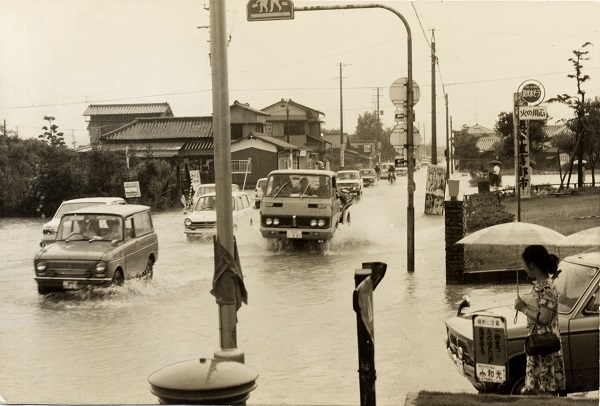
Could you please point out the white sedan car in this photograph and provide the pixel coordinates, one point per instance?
(201, 222)
(351, 181)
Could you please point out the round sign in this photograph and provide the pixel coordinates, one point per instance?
(532, 92)
(398, 92)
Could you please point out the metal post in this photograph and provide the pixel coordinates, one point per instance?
(342, 163)
(287, 120)
(410, 209)
(366, 352)
(447, 143)
(222, 142)
(516, 136)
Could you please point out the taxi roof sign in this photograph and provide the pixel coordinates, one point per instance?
(266, 10)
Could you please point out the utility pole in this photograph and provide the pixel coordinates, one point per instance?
(433, 112)
(451, 150)
(378, 120)
(341, 118)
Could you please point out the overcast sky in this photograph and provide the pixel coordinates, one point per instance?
(59, 56)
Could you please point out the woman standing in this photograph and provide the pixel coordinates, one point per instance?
(544, 373)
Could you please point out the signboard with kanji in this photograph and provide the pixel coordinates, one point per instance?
(533, 113)
(132, 189)
(265, 10)
(489, 341)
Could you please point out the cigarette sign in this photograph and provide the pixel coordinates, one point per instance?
(489, 340)
(533, 113)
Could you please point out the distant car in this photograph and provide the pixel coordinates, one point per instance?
(49, 229)
(578, 285)
(351, 181)
(368, 176)
(259, 190)
(201, 222)
(209, 188)
(99, 246)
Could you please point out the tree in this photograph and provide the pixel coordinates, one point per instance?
(465, 144)
(51, 135)
(590, 134)
(369, 128)
(504, 126)
(577, 103)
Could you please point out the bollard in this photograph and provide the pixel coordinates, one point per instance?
(365, 281)
(203, 382)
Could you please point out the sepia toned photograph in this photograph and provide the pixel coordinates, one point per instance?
(277, 202)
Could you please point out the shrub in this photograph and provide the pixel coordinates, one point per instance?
(485, 210)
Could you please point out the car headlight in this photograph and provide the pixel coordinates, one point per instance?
(275, 222)
(313, 223)
(187, 222)
(321, 223)
(40, 266)
(268, 221)
(100, 266)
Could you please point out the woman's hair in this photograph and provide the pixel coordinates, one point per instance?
(540, 257)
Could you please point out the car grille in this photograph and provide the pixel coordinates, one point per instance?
(204, 225)
(71, 268)
(299, 222)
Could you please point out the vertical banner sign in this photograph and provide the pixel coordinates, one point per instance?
(489, 340)
(524, 165)
(435, 190)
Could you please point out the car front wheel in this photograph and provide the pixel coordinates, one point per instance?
(149, 271)
(118, 278)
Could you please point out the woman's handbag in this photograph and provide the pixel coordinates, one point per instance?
(541, 344)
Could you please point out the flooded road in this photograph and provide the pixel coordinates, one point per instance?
(298, 330)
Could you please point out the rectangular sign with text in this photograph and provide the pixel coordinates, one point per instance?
(533, 113)
(489, 341)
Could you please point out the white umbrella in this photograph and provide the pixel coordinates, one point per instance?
(584, 238)
(516, 233)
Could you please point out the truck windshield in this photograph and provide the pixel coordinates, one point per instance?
(298, 186)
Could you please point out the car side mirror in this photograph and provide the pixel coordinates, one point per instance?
(466, 302)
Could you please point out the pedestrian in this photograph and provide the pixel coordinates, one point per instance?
(544, 374)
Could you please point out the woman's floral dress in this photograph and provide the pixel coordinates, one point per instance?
(545, 373)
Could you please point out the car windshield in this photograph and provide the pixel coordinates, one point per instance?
(207, 203)
(298, 186)
(571, 282)
(90, 227)
(367, 172)
(347, 175)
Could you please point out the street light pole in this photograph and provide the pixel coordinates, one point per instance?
(410, 209)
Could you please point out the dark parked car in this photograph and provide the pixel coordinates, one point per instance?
(577, 285)
(99, 245)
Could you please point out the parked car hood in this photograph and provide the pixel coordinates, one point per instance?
(463, 324)
(75, 250)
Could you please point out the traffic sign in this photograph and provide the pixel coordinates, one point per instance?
(267, 10)
(398, 93)
(532, 92)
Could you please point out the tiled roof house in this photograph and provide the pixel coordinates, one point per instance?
(488, 138)
(104, 118)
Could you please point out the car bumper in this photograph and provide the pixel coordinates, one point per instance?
(62, 281)
(297, 233)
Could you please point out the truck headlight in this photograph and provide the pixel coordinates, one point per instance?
(100, 266)
(268, 221)
(275, 222)
(40, 266)
(321, 223)
(187, 222)
(313, 223)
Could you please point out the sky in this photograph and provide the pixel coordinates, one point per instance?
(59, 56)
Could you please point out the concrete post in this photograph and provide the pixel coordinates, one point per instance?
(455, 230)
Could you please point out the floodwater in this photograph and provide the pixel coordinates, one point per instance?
(298, 330)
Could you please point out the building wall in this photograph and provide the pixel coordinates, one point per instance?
(263, 162)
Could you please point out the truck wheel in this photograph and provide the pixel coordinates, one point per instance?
(43, 289)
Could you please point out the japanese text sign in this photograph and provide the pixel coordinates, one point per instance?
(490, 352)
